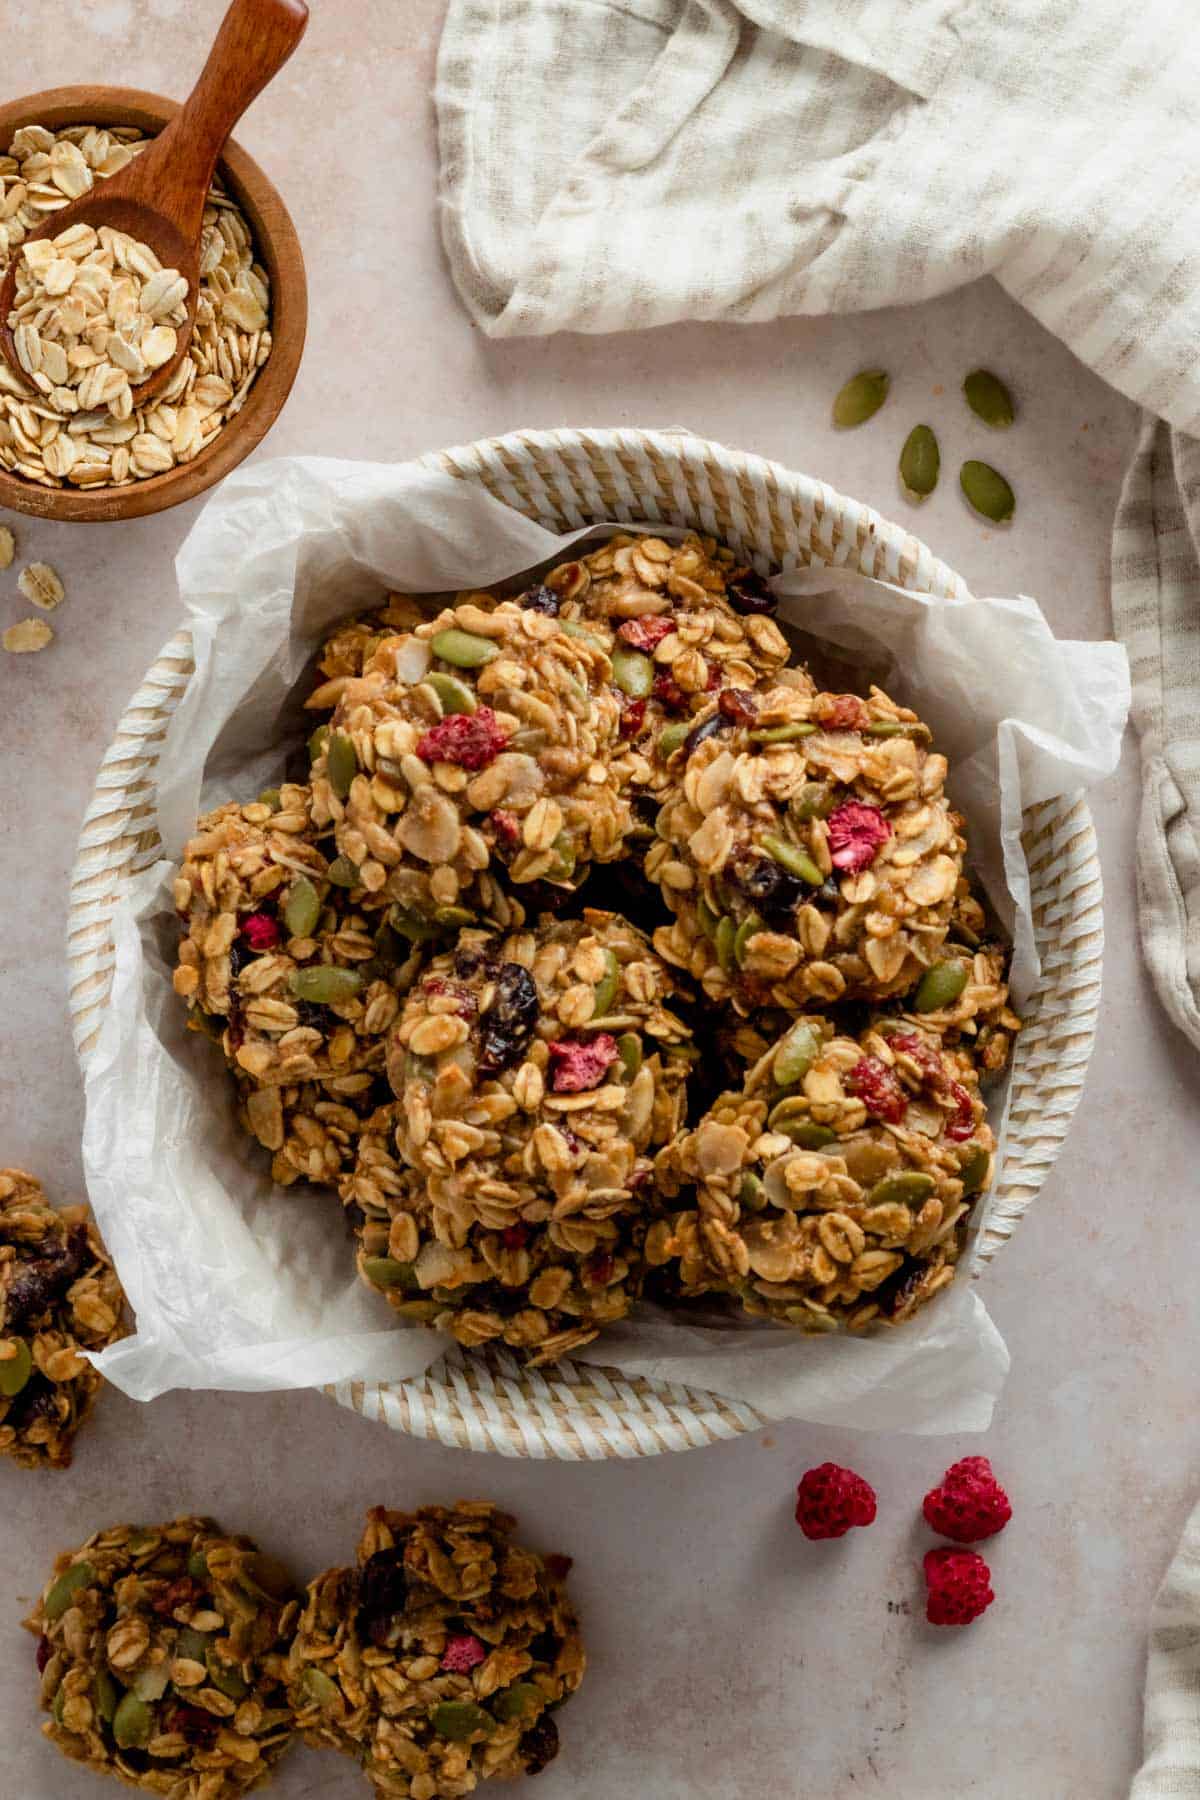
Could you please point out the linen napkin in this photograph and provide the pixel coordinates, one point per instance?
(609, 164)
(1171, 1770)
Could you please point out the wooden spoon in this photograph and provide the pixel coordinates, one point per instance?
(159, 197)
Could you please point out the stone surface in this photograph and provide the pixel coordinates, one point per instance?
(731, 1660)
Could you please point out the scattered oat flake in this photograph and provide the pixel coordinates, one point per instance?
(40, 584)
(29, 635)
(8, 547)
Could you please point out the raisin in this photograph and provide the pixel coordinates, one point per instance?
(738, 705)
(507, 1027)
(668, 693)
(546, 896)
(36, 1400)
(775, 892)
(747, 592)
(699, 733)
(540, 599)
(558, 1567)
(382, 1596)
(469, 959)
(45, 1651)
(545, 1647)
(38, 1287)
(196, 1727)
(539, 1746)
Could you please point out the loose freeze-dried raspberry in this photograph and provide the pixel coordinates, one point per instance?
(962, 1125)
(462, 1654)
(576, 1065)
(843, 712)
(969, 1503)
(856, 831)
(960, 1586)
(644, 634)
(668, 692)
(632, 719)
(878, 1089)
(829, 1500)
(261, 931)
(472, 740)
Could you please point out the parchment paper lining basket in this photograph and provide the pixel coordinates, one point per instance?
(566, 479)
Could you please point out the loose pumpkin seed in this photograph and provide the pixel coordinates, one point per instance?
(133, 1724)
(455, 695)
(459, 1720)
(723, 942)
(302, 908)
(861, 398)
(341, 764)
(15, 1370)
(343, 873)
(920, 463)
(908, 1188)
(783, 734)
(386, 1272)
(606, 987)
(671, 737)
(69, 1583)
(793, 858)
(986, 490)
(795, 1055)
(745, 932)
(940, 986)
(465, 649)
(988, 399)
(324, 985)
(632, 671)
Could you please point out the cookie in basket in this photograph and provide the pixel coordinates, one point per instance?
(441, 1658)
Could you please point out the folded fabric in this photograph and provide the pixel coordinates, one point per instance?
(609, 164)
(1171, 1770)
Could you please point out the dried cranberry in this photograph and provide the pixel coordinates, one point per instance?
(962, 1125)
(260, 931)
(598, 1270)
(38, 1286)
(668, 693)
(845, 712)
(775, 892)
(507, 1027)
(540, 599)
(472, 740)
(577, 1064)
(633, 718)
(647, 633)
(708, 728)
(738, 705)
(922, 1052)
(539, 1745)
(515, 1237)
(195, 1726)
(748, 592)
(878, 1089)
(857, 832)
(45, 1651)
(382, 1595)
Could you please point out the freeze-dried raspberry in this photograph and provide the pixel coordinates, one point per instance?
(507, 828)
(960, 1586)
(962, 1125)
(462, 1654)
(472, 740)
(969, 1502)
(261, 931)
(922, 1052)
(576, 1065)
(829, 1500)
(842, 712)
(878, 1089)
(632, 719)
(644, 634)
(856, 831)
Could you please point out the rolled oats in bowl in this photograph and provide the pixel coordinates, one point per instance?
(69, 419)
(440, 1660)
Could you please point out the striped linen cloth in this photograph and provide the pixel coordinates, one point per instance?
(1171, 1770)
(609, 164)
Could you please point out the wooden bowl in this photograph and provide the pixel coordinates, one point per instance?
(278, 249)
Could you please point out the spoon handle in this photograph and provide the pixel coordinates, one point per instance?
(255, 40)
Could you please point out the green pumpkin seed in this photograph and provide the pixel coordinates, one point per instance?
(908, 1188)
(792, 857)
(106, 1695)
(317, 742)
(465, 649)
(920, 463)
(386, 1272)
(632, 671)
(783, 734)
(861, 398)
(343, 873)
(453, 917)
(988, 399)
(796, 1054)
(750, 1192)
(198, 1566)
(573, 629)
(459, 1720)
(324, 985)
(606, 987)
(974, 1171)
(302, 908)
(57, 1705)
(133, 1724)
(707, 919)
(793, 1108)
(629, 1049)
(226, 1680)
(413, 926)
(319, 1687)
(516, 1701)
(15, 1370)
(745, 932)
(671, 737)
(455, 696)
(150, 1684)
(269, 797)
(940, 986)
(812, 1137)
(341, 764)
(563, 866)
(726, 933)
(191, 1646)
(420, 1312)
(885, 728)
(987, 491)
(69, 1583)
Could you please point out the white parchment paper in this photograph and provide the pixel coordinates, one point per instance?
(239, 1285)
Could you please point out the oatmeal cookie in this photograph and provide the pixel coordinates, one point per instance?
(836, 1187)
(808, 851)
(59, 1296)
(471, 756)
(437, 1661)
(162, 1655)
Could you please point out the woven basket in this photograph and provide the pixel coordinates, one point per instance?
(566, 479)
